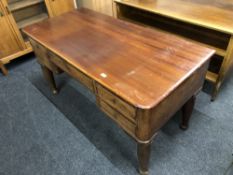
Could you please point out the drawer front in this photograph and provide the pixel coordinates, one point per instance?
(42, 56)
(121, 120)
(117, 103)
(85, 80)
(78, 75)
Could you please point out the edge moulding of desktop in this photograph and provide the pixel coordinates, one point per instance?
(17, 14)
(203, 22)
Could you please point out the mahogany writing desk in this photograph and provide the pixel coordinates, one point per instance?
(140, 77)
(206, 22)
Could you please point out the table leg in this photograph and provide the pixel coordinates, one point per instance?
(4, 70)
(143, 151)
(215, 91)
(187, 110)
(48, 74)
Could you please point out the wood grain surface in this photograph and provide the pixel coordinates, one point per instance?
(213, 14)
(141, 65)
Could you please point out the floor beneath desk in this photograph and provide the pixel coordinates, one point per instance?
(67, 134)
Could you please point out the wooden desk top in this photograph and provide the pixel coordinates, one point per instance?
(212, 14)
(140, 65)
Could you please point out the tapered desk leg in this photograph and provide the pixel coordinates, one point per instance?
(4, 70)
(48, 74)
(187, 110)
(143, 152)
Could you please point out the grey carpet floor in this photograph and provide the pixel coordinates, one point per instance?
(67, 134)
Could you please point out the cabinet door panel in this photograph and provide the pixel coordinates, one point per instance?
(58, 7)
(9, 43)
(104, 6)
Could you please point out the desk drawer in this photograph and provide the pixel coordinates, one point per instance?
(121, 120)
(117, 103)
(72, 71)
(42, 56)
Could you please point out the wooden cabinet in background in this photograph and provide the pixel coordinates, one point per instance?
(102, 6)
(17, 14)
(57, 7)
(10, 42)
(203, 22)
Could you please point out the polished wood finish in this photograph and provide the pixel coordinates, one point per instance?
(205, 22)
(183, 55)
(17, 14)
(143, 151)
(140, 78)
